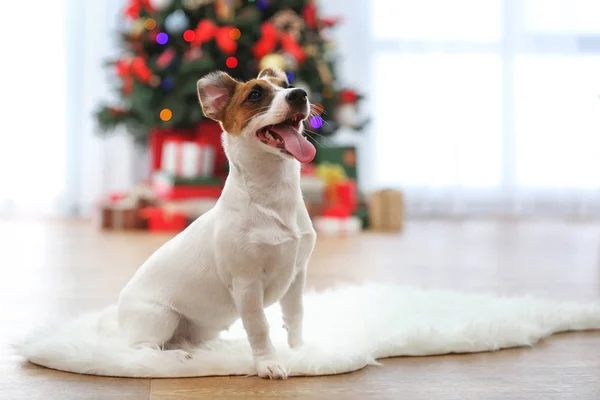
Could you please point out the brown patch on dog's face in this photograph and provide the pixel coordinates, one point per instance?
(249, 99)
(234, 104)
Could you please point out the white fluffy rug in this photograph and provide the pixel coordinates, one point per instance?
(345, 330)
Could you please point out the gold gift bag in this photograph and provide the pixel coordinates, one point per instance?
(386, 210)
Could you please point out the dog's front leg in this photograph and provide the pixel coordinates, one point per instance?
(249, 303)
(292, 310)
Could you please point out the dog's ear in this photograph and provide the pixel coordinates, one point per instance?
(214, 92)
(274, 73)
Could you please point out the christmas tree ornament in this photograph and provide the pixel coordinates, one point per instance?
(262, 4)
(291, 64)
(140, 69)
(225, 9)
(189, 35)
(162, 38)
(177, 22)
(134, 7)
(165, 58)
(288, 21)
(149, 23)
(273, 60)
(310, 15)
(193, 54)
(231, 62)
(346, 115)
(311, 50)
(160, 5)
(154, 81)
(137, 28)
(207, 30)
(324, 72)
(195, 4)
(235, 33)
(316, 122)
(165, 114)
(167, 83)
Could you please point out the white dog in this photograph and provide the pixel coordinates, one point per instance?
(251, 250)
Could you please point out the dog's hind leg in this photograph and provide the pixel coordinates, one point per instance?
(149, 325)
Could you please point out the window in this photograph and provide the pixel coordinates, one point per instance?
(494, 101)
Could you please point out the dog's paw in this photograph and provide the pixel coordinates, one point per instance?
(295, 343)
(182, 355)
(270, 369)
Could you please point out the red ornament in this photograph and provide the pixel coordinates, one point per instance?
(135, 6)
(231, 62)
(165, 58)
(140, 69)
(189, 35)
(270, 36)
(123, 66)
(207, 30)
(348, 96)
(310, 15)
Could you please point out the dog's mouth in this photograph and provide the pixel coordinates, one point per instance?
(286, 137)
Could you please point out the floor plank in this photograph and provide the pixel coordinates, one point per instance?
(57, 269)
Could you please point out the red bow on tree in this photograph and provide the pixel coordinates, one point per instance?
(206, 30)
(270, 37)
(312, 21)
(128, 69)
(135, 6)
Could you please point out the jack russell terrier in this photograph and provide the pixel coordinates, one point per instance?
(248, 252)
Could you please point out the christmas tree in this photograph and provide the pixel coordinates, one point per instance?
(167, 45)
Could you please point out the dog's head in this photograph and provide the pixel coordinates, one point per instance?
(266, 110)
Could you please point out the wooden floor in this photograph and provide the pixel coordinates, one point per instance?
(55, 269)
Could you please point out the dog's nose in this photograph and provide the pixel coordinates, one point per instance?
(297, 97)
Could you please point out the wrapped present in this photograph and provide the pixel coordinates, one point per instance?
(168, 186)
(186, 158)
(162, 220)
(176, 215)
(386, 210)
(344, 156)
(333, 226)
(120, 213)
(206, 133)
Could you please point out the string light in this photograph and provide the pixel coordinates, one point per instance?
(262, 4)
(189, 35)
(162, 38)
(149, 23)
(165, 114)
(290, 76)
(235, 33)
(231, 62)
(316, 122)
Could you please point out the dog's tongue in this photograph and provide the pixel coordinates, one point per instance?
(296, 144)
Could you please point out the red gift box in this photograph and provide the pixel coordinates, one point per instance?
(161, 220)
(206, 133)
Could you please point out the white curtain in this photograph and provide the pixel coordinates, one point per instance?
(487, 106)
(52, 162)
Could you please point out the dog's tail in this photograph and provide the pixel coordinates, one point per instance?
(93, 344)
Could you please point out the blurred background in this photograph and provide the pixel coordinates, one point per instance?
(429, 108)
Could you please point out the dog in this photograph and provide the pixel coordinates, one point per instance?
(248, 252)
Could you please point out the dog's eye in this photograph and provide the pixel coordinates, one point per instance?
(254, 95)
